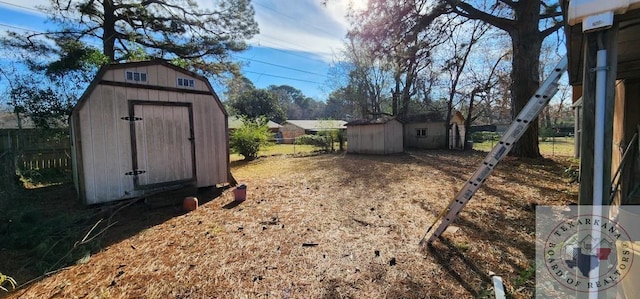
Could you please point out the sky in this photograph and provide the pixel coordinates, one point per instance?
(297, 43)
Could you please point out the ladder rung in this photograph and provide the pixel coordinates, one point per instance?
(528, 114)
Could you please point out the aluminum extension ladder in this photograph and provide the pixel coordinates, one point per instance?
(528, 114)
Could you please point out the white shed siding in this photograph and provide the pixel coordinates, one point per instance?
(393, 137)
(104, 139)
(107, 156)
(371, 139)
(382, 138)
(210, 140)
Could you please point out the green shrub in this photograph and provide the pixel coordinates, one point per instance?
(545, 133)
(315, 140)
(479, 137)
(49, 239)
(248, 139)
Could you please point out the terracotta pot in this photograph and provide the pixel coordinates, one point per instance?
(190, 203)
(240, 193)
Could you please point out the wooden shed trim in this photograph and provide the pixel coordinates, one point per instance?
(154, 87)
(116, 66)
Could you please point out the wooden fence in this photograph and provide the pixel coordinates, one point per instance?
(35, 149)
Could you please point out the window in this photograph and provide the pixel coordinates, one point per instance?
(421, 132)
(186, 82)
(136, 76)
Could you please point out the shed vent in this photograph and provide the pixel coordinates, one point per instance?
(183, 82)
(136, 76)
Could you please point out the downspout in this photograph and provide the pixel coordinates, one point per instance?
(598, 150)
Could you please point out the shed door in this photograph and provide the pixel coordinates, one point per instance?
(162, 143)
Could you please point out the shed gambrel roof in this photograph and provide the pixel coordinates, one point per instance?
(125, 65)
(318, 125)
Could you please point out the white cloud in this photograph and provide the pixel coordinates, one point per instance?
(300, 25)
(306, 26)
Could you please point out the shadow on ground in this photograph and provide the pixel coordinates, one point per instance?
(42, 229)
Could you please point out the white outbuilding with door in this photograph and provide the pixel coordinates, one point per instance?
(145, 127)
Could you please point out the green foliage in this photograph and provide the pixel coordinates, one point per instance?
(44, 84)
(46, 107)
(546, 132)
(315, 140)
(525, 275)
(168, 29)
(255, 103)
(49, 239)
(479, 137)
(250, 137)
(295, 104)
(46, 176)
(75, 56)
(4, 279)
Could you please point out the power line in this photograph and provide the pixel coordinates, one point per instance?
(20, 6)
(19, 28)
(283, 77)
(282, 66)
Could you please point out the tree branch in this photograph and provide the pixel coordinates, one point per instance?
(466, 10)
(551, 29)
(510, 3)
(551, 15)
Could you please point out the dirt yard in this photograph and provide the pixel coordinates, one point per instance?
(328, 226)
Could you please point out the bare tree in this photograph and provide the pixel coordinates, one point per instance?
(386, 31)
(460, 46)
(528, 23)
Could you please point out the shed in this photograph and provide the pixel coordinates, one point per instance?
(376, 136)
(428, 131)
(145, 127)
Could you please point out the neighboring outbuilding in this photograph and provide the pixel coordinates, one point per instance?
(146, 127)
(428, 131)
(381, 136)
(236, 122)
(10, 120)
(295, 128)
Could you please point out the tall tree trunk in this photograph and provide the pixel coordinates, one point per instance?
(468, 120)
(109, 31)
(526, 38)
(447, 122)
(525, 74)
(395, 93)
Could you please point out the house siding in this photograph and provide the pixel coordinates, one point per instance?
(290, 132)
(434, 138)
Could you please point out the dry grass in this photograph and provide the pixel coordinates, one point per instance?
(327, 226)
(280, 149)
(551, 147)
